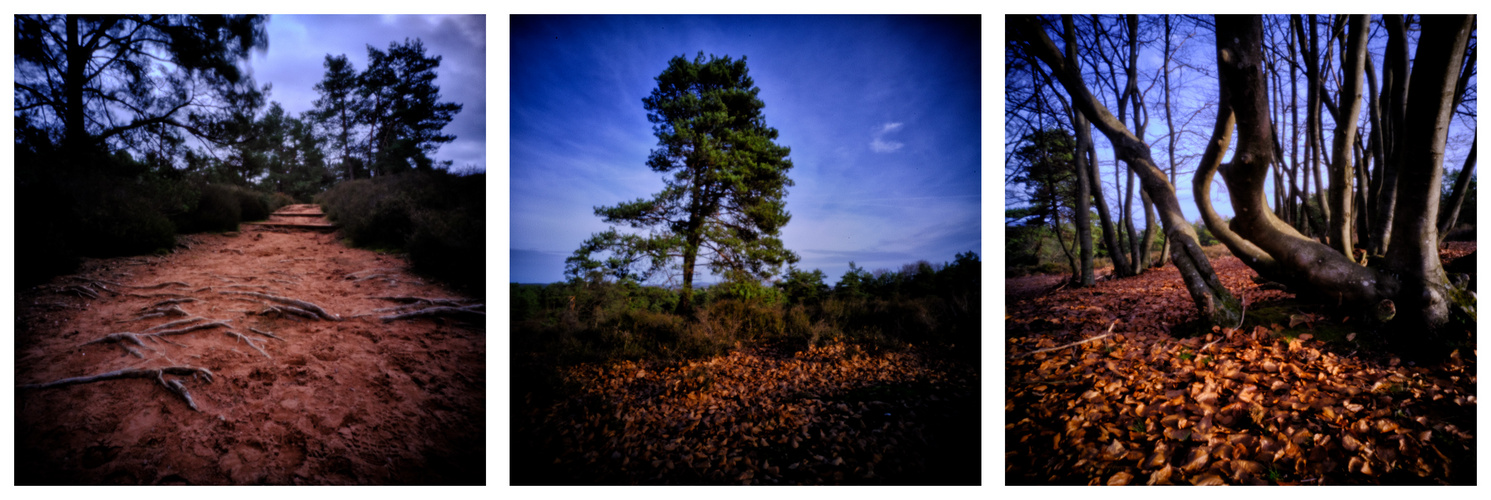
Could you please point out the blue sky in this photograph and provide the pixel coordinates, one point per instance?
(298, 45)
(882, 114)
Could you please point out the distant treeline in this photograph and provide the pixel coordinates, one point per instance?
(921, 304)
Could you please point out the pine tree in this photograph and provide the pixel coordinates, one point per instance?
(724, 201)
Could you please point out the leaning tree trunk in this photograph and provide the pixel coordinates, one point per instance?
(1457, 197)
(1414, 255)
(1216, 305)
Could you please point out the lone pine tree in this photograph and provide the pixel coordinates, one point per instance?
(724, 200)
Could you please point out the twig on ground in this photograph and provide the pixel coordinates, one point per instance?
(288, 301)
(248, 341)
(159, 374)
(1079, 342)
(437, 310)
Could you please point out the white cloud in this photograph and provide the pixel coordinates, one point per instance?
(880, 145)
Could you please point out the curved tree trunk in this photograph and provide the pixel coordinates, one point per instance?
(1310, 267)
(1215, 304)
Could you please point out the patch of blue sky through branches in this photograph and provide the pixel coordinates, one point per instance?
(882, 115)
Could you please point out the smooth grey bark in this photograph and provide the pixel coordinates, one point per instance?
(1414, 255)
(1307, 266)
(1395, 81)
(1083, 133)
(1169, 130)
(1215, 304)
(1343, 174)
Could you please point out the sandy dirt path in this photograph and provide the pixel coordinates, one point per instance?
(356, 401)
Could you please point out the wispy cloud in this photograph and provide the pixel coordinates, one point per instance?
(880, 145)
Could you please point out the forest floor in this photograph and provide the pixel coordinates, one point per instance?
(830, 414)
(1293, 396)
(272, 402)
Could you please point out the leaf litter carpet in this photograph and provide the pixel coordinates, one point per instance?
(1244, 406)
(281, 394)
(832, 414)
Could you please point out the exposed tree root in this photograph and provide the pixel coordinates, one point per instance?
(123, 339)
(158, 313)
(79, 290)
(282, 310)
(248, 341)
(168, 302)
(167, 295)
(435, 311)
(149, 287)
(290, 302)
(158, 374)
(266, 334)
(190, 320)
(357, 277)
(423, 300)
(126, 338)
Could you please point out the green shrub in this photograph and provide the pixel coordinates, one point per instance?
(438, 218)
(252, 205)
(217, 209)
(279, 200)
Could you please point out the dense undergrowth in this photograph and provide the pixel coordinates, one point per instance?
(74, 206)
(437, 218)
(582, 321)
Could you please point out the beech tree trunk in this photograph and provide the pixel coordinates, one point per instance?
(1414, 255)
(1308, 266)
(1343, 173)
(1395, 81)
(1083, 131)
(1214, 303)
(1457, 197)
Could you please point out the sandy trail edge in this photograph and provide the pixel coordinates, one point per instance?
(353, 402)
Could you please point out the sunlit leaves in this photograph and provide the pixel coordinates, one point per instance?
(1246, 406)
(830, 414)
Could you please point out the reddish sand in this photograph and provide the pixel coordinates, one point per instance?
(357, 401)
